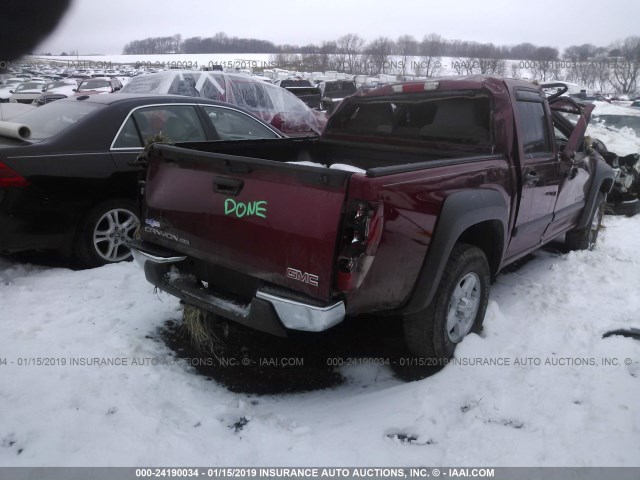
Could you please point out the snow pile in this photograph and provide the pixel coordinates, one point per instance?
(622, 142)
(606, 108)
(569, 410)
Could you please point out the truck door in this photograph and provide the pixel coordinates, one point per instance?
(538, 171)
(570, 123)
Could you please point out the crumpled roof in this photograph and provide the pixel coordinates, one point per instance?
(273, 104)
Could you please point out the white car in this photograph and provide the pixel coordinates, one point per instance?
(98, 85)
(56, 90)
(26, 92)
(7, 86)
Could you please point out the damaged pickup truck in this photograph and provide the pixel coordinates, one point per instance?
(412, 199)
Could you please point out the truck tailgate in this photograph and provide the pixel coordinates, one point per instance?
(274, 221)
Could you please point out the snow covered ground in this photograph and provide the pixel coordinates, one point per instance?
(554, 309)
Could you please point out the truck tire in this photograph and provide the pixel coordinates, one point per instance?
(585, 238)
(456, 310)
(104, 231)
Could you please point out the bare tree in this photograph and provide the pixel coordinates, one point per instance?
(581, 53)
(492, 66)
(466, 65)
(523, 51)
(325, 53)
(311, 62)
(545, 65)
(545, 70)
(287, 61)
(516, 71)
(602, 72)
(626, 66)
(350, 47)
(377, 53)
(406, 47)
(429, 50)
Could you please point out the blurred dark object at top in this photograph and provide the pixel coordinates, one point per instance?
(21, 31)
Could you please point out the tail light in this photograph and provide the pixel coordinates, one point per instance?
(11, 178)
(361, 232)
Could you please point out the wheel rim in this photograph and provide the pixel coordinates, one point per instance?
(112, 231)
(463, 307)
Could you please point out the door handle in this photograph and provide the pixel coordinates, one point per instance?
(227, 185)
(531, 179)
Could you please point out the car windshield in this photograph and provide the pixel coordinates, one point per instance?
(28, 86)
(59, 84)
(91, 84)
(53, 118)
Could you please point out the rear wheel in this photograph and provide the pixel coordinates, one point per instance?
(106, 231)
(456, 310)
(586, 238)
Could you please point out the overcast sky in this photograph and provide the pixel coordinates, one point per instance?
(92, 26)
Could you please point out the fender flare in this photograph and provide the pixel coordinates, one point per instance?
(603, 178)
(460, 211)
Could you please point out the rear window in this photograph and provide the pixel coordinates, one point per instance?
(90, 84)
(464, 120)
(295, 83)
(346, 88)
(53, 118)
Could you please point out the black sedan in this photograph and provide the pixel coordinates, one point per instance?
(69, 185)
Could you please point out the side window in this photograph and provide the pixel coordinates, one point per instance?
(178, 123)
(534, 127)
(128, 137)
(233, 125)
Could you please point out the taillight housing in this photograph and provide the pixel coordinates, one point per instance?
(11, 178)
(361, 232)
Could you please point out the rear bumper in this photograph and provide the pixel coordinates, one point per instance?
(270, 310)
(32, 231)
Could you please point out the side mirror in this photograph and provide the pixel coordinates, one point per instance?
(74, 89)
(10, 91)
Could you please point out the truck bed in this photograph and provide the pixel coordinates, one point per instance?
(378, 160)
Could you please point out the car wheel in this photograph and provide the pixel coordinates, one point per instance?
(456, 310)
(105, 232)
(586, 238)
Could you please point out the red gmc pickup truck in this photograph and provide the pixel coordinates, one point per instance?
(440, 184)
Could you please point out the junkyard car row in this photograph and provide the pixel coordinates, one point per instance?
(406, 203)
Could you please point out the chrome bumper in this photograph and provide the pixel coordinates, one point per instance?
(142, 257)
(301, 316)
(292, 314)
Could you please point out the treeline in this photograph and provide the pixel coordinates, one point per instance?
(222, 43)
(614, 66)
(219, 43)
